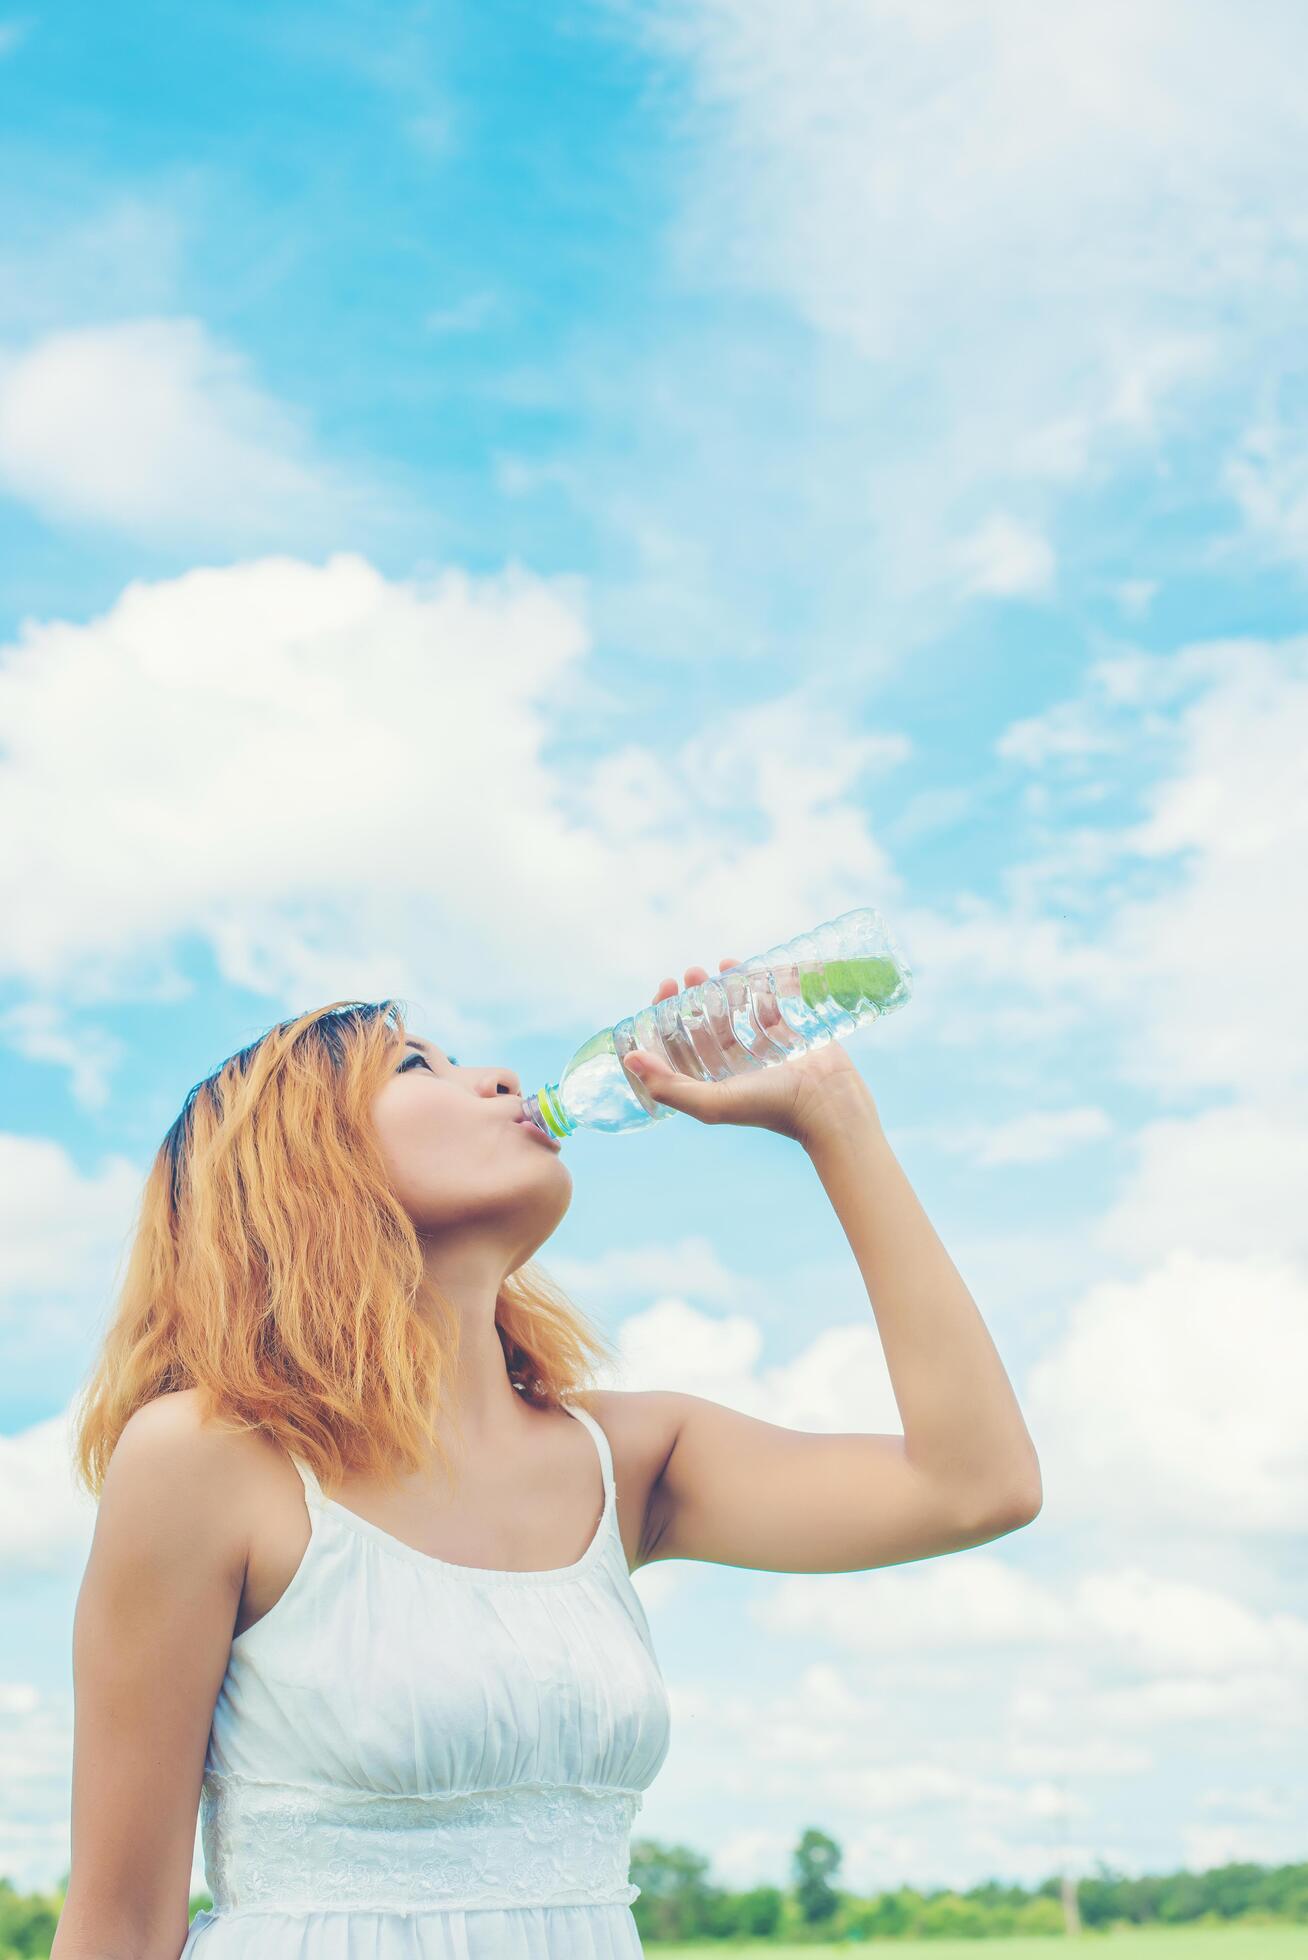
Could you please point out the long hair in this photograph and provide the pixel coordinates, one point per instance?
(273, 1269)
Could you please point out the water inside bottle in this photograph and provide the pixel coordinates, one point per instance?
(716, 1029)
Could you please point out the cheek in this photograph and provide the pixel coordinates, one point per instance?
(438, 1167)
(410, 1134)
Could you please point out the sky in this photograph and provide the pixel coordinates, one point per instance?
(499, 504)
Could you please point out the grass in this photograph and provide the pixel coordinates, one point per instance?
(1133, 1943)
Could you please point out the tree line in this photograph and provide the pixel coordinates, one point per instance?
(678, 1901)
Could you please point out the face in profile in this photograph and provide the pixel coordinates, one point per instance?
(458, 1159)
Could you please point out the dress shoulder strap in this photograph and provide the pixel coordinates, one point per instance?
(601, 1443)
(312, 1488)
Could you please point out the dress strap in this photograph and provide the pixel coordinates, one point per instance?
(601, 1444)
(312, 1488)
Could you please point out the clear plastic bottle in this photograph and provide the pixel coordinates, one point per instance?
(821, 984)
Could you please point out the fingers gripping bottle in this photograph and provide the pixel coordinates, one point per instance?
(816, 988)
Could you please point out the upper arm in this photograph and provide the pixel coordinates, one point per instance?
(151, 1637)
(736, 1490)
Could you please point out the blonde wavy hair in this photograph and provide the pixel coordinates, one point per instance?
(273, 1269)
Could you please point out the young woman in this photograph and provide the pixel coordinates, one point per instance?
(417, 1715)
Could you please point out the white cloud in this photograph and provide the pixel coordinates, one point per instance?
(1220, 1182)
(62, 263)
(908, 1780)
(35, 1753)
(1167, 1631)
(691, 1264)
(1176, 1399)
(38, 1030)
(984, 213)
(46, 1518)
(838, 1382)
(63, 1242)
(60, 1230)
(1007, 559)
(1206, 1846)
(1039, 1136)
(1267, 475)
(339, 784)
(1172, 940)
(152, 428)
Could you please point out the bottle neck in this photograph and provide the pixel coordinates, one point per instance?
(546, 1111)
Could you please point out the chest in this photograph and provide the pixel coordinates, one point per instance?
(519, 1530)
(378, 1672)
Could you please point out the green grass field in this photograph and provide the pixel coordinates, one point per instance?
(1161, 1943)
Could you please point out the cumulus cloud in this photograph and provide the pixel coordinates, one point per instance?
(982, 219)
(837, 1382)
(1124, 1616)
(152, 428)
(60, 1228)
(1176, 1398)
(900, 1772)
(338, 783)
(63, 1241)
(46, 1519)
(36, 1736)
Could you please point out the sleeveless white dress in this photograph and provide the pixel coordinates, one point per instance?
(413, 1760)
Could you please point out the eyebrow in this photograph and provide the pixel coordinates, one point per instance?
(425, 1048)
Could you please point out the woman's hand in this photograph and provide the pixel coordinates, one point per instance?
(792, 1097)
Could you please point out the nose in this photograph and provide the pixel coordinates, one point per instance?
(500, 1082)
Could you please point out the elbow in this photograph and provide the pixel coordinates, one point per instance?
(1015, 1504)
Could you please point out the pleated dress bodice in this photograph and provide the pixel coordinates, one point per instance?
(415, 1760)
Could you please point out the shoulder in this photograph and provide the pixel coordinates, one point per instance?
(174, 1428)
(178, 1475)
(641, 1424)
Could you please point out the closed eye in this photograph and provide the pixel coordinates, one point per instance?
(411, 1059)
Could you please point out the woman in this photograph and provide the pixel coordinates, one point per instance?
(417, 1715)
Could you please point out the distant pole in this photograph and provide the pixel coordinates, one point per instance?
(1071, 1909)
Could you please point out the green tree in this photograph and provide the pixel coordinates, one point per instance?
(676, 1898)
(27, 1923)
(816, 1859)
(758, 1912)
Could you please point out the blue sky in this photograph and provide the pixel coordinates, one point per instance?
(499, 504)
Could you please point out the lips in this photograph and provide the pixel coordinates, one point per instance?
(525, 1123)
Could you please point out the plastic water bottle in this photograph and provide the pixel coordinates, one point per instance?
(816, 988)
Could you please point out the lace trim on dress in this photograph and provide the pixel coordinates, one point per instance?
(289, 1847)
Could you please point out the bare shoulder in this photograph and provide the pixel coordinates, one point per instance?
(639, 1423)
(175, 1424)
(174, 1464)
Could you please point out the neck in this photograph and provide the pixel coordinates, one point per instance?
(479, 1390)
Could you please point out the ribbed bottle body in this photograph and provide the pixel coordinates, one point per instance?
(817, 987)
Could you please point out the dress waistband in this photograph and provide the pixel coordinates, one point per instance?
(290, 1847)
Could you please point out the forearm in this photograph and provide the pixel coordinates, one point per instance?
(962, 1425)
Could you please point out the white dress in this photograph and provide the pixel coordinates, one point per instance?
(413, 1760)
